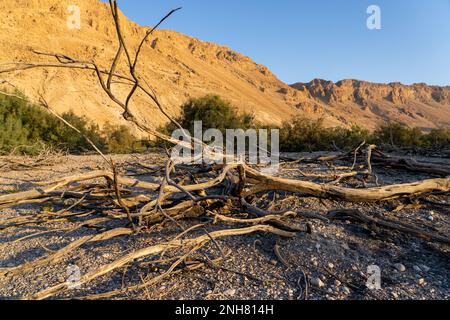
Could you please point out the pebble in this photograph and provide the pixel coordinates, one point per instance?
(337, 283)
(230, 292)
(400, 267)
(417, 268)
(273, 262)
(421, 281)
(316, 282)
(346, 290)
(431, 218)
(107, 255)
(330, 265)
(425, 268)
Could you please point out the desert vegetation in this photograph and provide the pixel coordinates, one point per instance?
(303, 134)
(28, 129)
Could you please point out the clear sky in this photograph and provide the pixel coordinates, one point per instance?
(300, 40)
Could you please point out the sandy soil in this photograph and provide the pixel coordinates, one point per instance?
(335, 257)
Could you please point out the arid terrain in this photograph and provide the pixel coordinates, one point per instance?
(333, 255)
(178, 67)
(321, 226)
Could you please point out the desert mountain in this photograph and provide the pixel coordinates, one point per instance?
(179, 67)
(366, 103)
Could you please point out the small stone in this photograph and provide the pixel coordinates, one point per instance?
(10, 265)
(330, 265)
(273, 262)
(318, 246)
(400, 267)
(395, 295)
(425, 268)
(345, 246)
(316, 282)
(208, 292)
(107, 255)
(230, 292)
(431, 218)
(421, 282)
(417, 268)
(337, 283)
(346, 290)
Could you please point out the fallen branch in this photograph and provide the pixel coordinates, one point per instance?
(154, 250)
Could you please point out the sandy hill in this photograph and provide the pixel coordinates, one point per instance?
(179, 67)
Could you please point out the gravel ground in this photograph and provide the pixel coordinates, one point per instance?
(336, 257)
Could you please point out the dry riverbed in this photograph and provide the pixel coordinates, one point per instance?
(337, 257)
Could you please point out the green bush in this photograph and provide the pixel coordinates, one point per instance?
(214, 112)
(303, 134)
(438, 138)
(397, 134)
(26, 128)
(120, 140)
(74, 142)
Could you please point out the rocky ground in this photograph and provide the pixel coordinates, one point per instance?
(337, 257)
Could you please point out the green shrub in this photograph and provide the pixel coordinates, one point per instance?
(120, 140)
(438, 138)
(26, 128)
(303, 134)
(214, 112)
(73, 141)
(397, 134)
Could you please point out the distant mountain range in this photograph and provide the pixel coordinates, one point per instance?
(179, 67)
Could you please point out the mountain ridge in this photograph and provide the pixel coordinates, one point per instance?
(180, 67)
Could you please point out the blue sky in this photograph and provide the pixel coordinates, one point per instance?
(304, 39)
